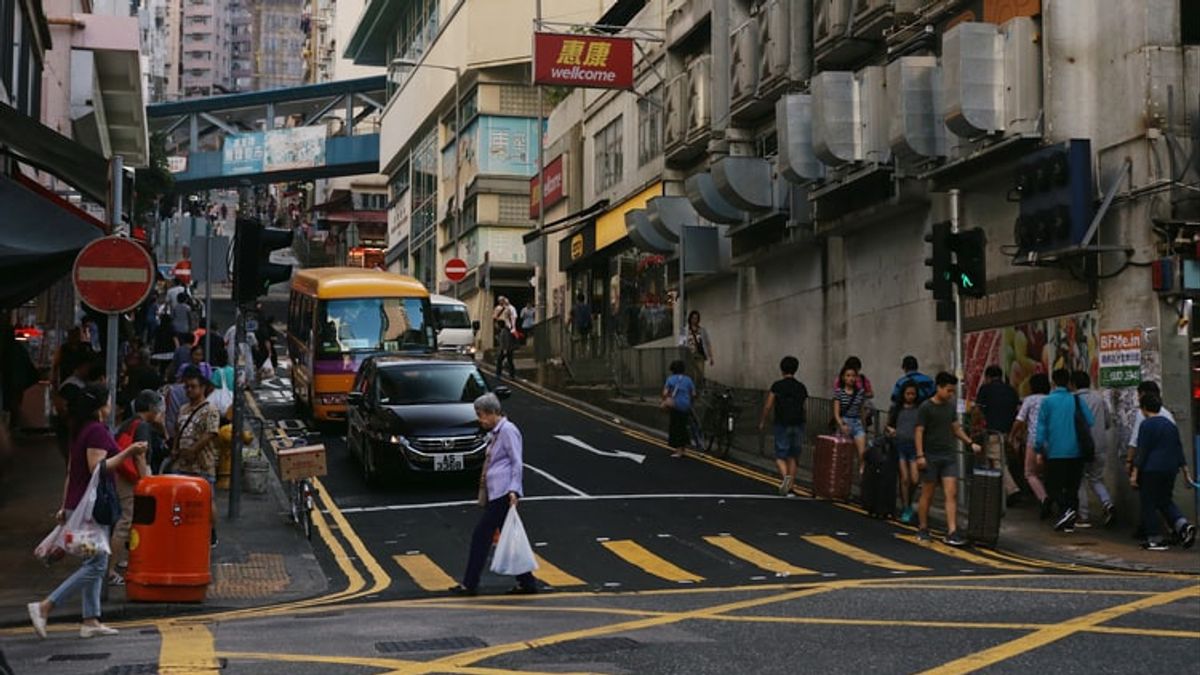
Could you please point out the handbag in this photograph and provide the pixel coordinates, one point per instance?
(1083, 434)
(668, 402)
(107, 510)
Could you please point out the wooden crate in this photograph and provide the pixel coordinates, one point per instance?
(302, 462)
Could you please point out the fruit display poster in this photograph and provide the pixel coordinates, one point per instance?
(1026, 349)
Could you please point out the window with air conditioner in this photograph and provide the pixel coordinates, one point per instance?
(650, 112)
(675, 110)
(609, 155)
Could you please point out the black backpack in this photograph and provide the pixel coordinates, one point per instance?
(107, 510)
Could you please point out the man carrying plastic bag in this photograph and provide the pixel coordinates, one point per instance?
(500, 487)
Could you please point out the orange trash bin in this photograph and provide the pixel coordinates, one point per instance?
(169, 541)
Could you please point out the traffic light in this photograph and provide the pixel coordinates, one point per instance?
(939, 261)
(253, 271)
(1054, 188)
(970, 262)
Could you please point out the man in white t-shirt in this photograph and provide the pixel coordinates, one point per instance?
(1024, 432)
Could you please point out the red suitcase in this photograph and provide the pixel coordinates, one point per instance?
(833, 468)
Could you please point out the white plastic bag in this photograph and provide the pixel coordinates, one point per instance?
(513, 555)
(80, 535)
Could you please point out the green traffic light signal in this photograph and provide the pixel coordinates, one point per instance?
(970, 262)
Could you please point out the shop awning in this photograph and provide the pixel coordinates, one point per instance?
(355, 216)
(40, 146)
(39, 239)
(506, 275)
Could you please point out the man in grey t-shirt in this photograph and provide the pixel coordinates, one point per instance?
(937, 436)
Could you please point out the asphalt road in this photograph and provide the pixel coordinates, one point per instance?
(657, 566)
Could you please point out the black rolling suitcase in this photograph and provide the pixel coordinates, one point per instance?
(879, 480)
(985, 504)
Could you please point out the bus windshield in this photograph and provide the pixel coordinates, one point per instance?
(372, 324)
(452, 316)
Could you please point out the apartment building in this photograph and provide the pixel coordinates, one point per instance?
(204, 50)
(279, 35)
(459, 137)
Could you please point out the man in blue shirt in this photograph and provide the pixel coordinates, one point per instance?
(1158, 461)
(912, 373)
(1058, 447)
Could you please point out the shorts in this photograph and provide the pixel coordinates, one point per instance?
(856, 426)
(789, 440)
(938, 467)
(906, 450)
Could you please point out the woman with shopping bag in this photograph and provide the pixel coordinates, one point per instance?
(500, 487)
(91, 444)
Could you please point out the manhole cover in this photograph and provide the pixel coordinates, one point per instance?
(94, 656)
(432, 645)
(587, 646)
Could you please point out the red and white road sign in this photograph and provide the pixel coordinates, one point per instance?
(113, 274)
(456, 269)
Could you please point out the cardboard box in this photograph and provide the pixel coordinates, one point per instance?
(302, 462)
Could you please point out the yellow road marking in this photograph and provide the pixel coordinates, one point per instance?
(638, 556)
(554, 575)
(1039, 590)
(370, 662)
(1049, 634)
(354, 580)
(380, 578)
(860, 555)
(425, 572)
(187, 649)
(754, 556)
(961, 554)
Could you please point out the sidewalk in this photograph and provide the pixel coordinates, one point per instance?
(1021, 532)
(262, 558)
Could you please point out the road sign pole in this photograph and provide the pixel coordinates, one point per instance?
(116, 170)
(239, 406)
(208, 292)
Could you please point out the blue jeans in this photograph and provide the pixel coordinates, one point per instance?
(856, 426)
(789, 439)
(88, 580)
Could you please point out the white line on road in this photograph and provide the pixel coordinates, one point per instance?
(621, 454)
(562, 484)
(556, 498)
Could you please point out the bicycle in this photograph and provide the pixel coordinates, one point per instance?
(720, 422)
(303, 499)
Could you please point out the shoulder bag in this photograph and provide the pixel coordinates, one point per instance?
(1083, 434)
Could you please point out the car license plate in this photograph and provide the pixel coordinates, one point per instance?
(448, 462)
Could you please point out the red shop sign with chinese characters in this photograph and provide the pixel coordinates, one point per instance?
(582, 60)
(554, 186)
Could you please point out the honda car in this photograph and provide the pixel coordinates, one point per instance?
(412, 415)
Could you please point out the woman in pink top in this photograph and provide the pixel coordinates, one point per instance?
(91, 443)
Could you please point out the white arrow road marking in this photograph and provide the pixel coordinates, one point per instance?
(620, 454)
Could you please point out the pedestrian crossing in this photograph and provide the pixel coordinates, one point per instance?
(716, 559)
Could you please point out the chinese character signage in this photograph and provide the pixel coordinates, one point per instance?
(276, 150)
(554, 186)
(583, 60)
(1121, 358)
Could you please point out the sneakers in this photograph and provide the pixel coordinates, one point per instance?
(1110, 514)
(1083, 524)
(86, 631)
(1187, 535)
(38, 619)
(923, 536)
(459, 589)
(1066, 521)
(785, 486)
(906, 516)
(1155, 546)
(955, 539)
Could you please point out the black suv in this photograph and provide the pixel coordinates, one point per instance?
(416, 415)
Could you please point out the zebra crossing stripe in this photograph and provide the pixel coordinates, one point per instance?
(973, 558)
(860, 555)
(638, 556)
(555, 576)
(754, 556)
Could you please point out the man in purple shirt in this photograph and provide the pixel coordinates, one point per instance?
(500, 488)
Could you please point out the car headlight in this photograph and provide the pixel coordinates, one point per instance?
(396, 439)
(466, 349)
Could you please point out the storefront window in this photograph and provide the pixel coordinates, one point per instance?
(638, 298)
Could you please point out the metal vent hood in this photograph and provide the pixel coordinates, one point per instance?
(642, 232)
(991, 78)
(797, 161)
(702, 193)
(745, 182)
(916, 129)
(836, 132)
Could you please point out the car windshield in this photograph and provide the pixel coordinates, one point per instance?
(422, 384)
(373, 324)
(452, 316)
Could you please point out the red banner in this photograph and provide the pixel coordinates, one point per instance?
(583, 61)
(554, 186)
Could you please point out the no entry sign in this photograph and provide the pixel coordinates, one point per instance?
(113, 274)
(456, 269)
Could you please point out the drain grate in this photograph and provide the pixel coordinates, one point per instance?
(588, 646)
(433, 645)
(93, 656)
(148, 668)
(319, 615)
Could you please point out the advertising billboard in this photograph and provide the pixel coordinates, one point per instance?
(275, 150)
(582, 60)
(555, 190)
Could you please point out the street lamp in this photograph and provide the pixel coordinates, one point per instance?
(401, 62)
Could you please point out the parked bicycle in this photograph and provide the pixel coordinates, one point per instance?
(720, 423)
(303, 498)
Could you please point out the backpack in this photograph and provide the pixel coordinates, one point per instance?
(125, 436)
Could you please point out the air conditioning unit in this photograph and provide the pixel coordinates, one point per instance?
(991, 78)
(675, 111)
(915, 128)
(796, 160)
(830, 20)
(873, 110)
(836, 126)
(743, 61)
(774, 39)
(699, 111)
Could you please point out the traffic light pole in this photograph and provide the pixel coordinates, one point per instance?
(239, 413)
(960, 402)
